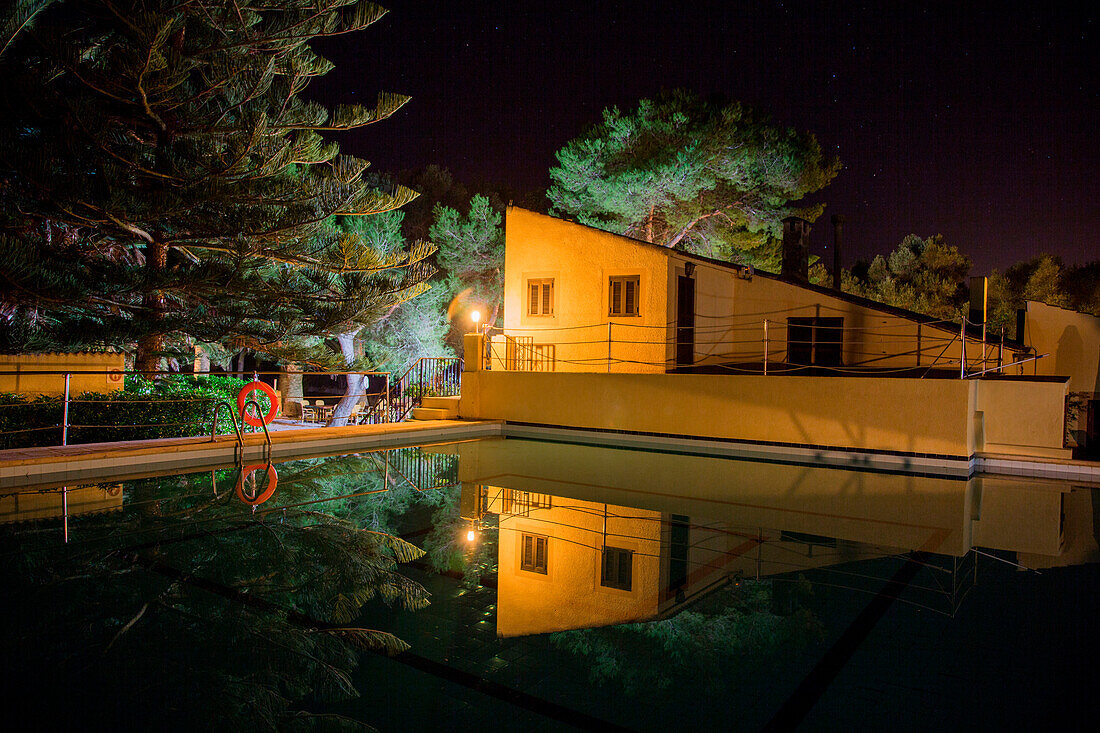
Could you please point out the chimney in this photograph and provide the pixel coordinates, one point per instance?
(796, 249)
(838, 223)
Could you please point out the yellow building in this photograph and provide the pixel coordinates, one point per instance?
(606, 333)
(584, 300)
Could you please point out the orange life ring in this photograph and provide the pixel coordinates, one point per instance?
(242, 398)
(272, 482)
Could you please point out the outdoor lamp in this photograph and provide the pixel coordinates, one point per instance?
(475, 316)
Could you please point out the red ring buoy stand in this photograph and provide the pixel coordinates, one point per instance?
(272, 482)
(243, 397)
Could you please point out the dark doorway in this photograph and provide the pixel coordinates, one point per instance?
(1092, 430)
(685, 321)
(679, 537)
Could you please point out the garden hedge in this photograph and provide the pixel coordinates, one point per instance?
(171, 407)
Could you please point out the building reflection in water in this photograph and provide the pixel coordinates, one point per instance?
(593, 536)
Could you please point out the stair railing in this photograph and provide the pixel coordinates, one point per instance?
(428, 376)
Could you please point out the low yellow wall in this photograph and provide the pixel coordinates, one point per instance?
(918, 416)
(908, 415)
(54, 384)
(1020, 418)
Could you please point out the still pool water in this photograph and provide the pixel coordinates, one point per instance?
(518, 585)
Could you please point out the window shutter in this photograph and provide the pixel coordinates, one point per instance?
(533, 306)
(630, 303)
(547, 294)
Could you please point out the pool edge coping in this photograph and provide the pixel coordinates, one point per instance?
(106, 460)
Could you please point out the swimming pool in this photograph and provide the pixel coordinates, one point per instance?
(547, 586)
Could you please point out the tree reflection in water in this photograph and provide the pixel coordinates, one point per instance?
(735, 630)
(189, 609)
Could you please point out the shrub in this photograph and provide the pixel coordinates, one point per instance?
(171, 407)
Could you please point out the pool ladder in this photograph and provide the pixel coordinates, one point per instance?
(237, 427)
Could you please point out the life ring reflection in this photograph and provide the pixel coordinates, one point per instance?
(249, 495)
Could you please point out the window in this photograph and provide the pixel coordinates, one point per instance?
(540, 297)
(617, 568)
(534, 554)
(815, 341)
(623, 293)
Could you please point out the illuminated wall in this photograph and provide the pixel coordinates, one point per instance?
(58, 363)
(567, 590)
(731, 305)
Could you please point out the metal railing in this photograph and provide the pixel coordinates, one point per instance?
(418, 468)
(38, 407)
(522, 354)
(760, 345)
(429, 376)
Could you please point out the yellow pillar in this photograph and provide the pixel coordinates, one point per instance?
(473, 348)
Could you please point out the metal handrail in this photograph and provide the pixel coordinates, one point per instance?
(236, 427)
(1006, 366)
(263, 424)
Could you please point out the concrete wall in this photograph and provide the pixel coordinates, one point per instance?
(1072, 341)
(54, 384)
(1020, 418)
(944, 416)
(884, 414)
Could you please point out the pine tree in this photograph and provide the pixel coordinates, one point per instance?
(923, 275)
(163, 179)
(683, 172)
(471, 252)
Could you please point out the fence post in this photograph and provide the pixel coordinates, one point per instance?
(65, 415)
(609, 347)
(765, 347)
(962, 352)
(389, 407)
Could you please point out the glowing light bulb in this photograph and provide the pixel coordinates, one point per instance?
(470, 536)
(475, 316)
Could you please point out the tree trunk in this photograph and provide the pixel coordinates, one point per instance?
(354, 391)
(202, 361)
(293, 394)
(150, 347)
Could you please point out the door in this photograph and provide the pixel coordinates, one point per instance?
(685, 321)
(1092, 429)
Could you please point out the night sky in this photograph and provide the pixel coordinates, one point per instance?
(975, 121)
